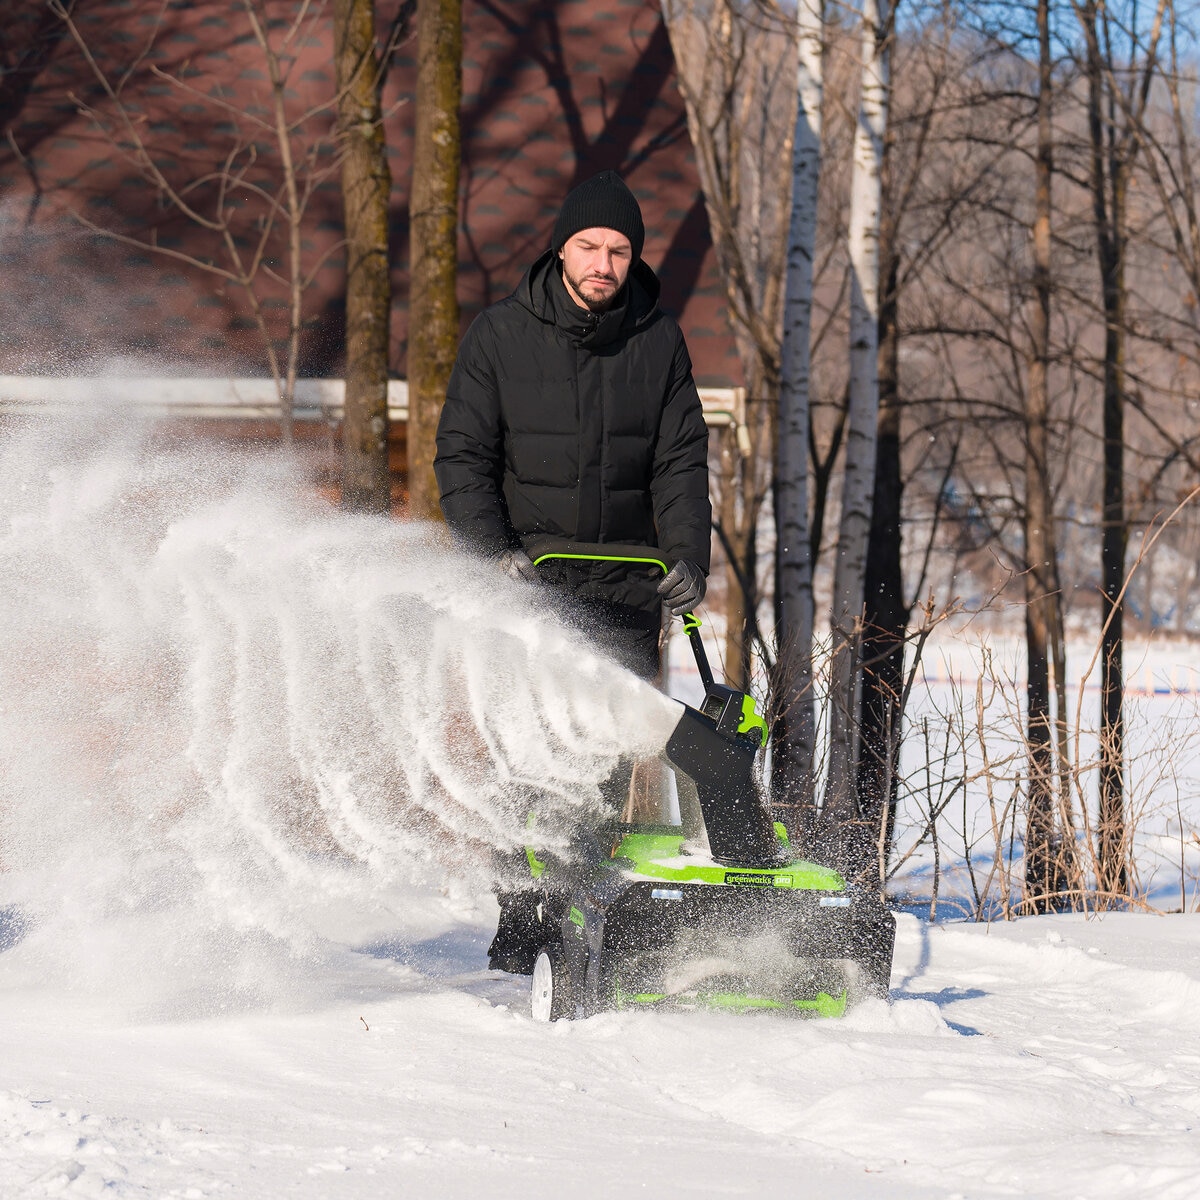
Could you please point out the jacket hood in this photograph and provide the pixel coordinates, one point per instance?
(543, 292)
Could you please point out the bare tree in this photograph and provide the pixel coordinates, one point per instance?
(433, 241)
(366, 191)
(731, 57)
(994, 347)
(27, 47)
(1113, 122)
(795, 724)
(1043, 608)
(954, 135)
(840, 807)
(252, 204)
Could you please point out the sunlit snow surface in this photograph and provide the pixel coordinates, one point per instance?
(1055, 1057)
(254, 757)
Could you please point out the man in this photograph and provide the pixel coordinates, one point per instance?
(572, 412)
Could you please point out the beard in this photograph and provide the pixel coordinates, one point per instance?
(595, 303)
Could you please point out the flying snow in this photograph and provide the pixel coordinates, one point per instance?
(228, 711)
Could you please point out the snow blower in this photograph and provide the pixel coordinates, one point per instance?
(706, 906)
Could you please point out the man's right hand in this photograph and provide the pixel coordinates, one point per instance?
(516, 564)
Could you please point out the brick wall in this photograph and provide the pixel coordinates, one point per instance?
(552, 93)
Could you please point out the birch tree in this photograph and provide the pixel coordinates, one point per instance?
(795, 721)
(854, 528)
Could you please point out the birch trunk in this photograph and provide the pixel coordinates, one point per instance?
(854, 528)
(795, 725)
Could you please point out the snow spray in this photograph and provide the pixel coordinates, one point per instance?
(228, 710)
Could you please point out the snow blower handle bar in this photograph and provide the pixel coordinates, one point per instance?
(716, 744)
(543, 548)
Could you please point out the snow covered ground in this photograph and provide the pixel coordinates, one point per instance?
(254, 757)
(1052, 1057)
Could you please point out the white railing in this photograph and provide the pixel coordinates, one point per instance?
(216, 398)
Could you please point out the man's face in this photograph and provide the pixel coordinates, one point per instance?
(595, 265)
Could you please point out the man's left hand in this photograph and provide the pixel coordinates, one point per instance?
(683, 588)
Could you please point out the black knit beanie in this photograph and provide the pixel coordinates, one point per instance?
(600, 202)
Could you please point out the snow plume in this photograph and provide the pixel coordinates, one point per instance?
(233, 719)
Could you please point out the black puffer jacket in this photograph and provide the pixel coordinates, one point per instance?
(578, 425)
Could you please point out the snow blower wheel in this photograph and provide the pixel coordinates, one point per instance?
(551, 996)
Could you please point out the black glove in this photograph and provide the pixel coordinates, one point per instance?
(516, 564)
(683, 588)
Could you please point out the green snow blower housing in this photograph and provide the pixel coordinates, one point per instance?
(712, 911)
